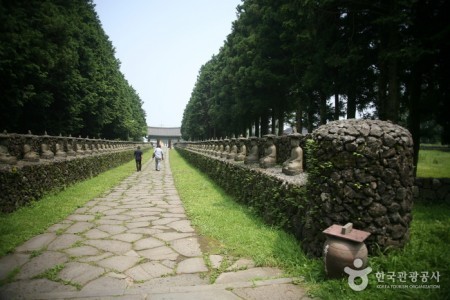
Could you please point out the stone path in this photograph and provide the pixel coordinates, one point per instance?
(135, 242)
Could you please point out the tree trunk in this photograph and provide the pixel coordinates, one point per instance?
(257, 127)
(265, 123)
(273, 124)
(351, 103)
(414, 111)
(298, 119)
(337, 107)
(280, 122)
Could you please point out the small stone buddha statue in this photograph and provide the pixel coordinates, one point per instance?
(227, 148)
(242, 153)
(46, 153)
(87, 149)
(5, 157)
(58, 151)
(294, 165)
(270, 153)
(29, 154)
(70, 151)
(233, 149)
(79, 149)
(221, 148)
(253, 155)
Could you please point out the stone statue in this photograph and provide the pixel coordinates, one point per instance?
(5, 157)
(221, 148)
(294, 165)
(227, 148)
(253, 156)
(270, 153)
(233, 149)
(79, 149)
(242, 153)
(58, 151)
(46, 153)
(87, 149)
(70, 151)
(29, 154)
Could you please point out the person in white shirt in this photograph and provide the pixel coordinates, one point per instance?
(158, 155)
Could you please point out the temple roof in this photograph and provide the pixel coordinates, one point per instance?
(164, 131)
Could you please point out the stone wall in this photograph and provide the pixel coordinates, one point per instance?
(365, 176)
(432, 190)
(359, 171)
(32, 165)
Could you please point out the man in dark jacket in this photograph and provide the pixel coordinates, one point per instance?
(138, 158)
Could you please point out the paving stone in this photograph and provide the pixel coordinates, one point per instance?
(36, 243)
(82, 251)
(99, 208)
(11, 261)
(41, 263)
(175, 280)
(63, 241)
(242, 263)
(117, 217)
(79, 218)
(112, 229)
(146, 219)
(80, 273)
(131, 225)
(192, 265)
(216, 261)
(148, 243)
(18, 289)
(188, 247)
(119, 263)
(272, 292)
(117, 247)
(114, 212)
(160, 253)
(176, 210)
(96, 234)
(79, 227)
(148, 271)
(171, 236)
(58, 227)
(249, 275)
(164, 221)
(127, 237)
(132, 253)
(108, 222)
(95, 258)
(181, 226)
(105, 283)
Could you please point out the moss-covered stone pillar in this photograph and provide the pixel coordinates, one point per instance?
(362, 172)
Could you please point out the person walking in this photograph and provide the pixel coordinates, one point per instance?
(138, 158)
(158, 155)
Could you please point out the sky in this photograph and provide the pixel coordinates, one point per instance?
(162, 44)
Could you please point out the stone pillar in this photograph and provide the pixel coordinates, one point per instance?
(362, 172)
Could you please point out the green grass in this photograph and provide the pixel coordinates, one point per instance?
(28, 221)
(434, 163)
(230, 228)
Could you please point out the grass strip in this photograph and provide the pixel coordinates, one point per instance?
(234, 230)
(34, 219)
(433, 163)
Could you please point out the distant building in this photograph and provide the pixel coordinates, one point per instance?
(164, 135)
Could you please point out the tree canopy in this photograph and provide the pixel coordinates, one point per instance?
(59, 73)
(307, 62)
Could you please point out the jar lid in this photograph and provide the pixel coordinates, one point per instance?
(347, 233)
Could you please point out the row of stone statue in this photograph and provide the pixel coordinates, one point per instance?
(235, 149)
(58, 151)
